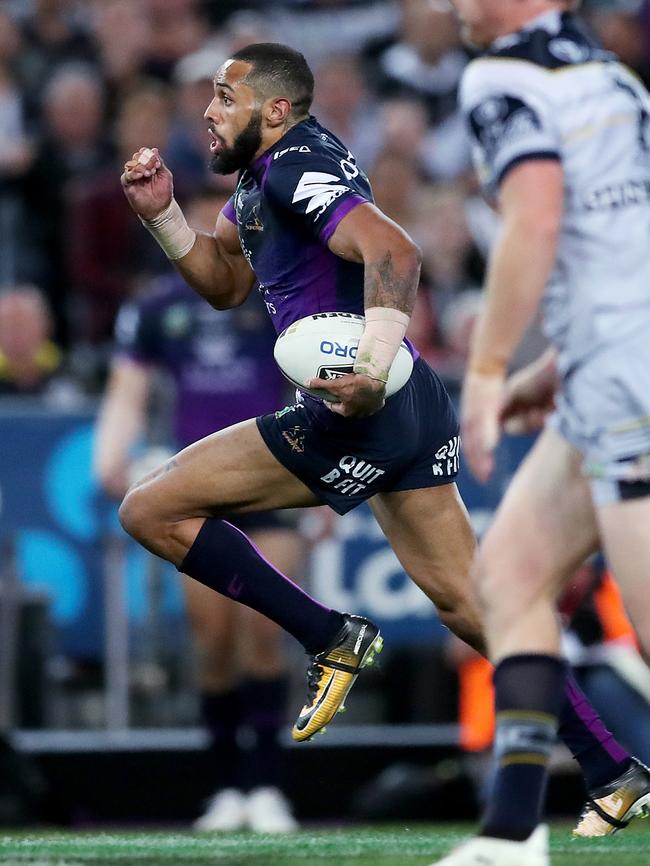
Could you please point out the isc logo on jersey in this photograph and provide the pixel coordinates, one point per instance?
(294, 149)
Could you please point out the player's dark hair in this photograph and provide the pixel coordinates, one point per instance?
(279, 71)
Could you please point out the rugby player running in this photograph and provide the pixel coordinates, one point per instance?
(302, 226)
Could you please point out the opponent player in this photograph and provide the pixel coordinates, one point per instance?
(303, 225)
(219, 365)
(561, 136)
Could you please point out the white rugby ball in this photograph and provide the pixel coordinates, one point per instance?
(324, 346)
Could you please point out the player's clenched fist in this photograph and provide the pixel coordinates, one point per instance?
(147, 183)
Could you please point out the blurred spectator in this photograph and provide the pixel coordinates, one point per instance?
(644, 21)
(397, 184)
(315, 28)
(425, 63)
(457, 322)
(122, 30)
(177, 28)
(186, 152)
(109, 255)
(424, 331)
(53, 36)
(403, 128)
(342, 104)
(451, 270)
(245, 29)
(15, 151)
(11, 48)
(443, 234)
(73, 103)
(619, 24)
(30, 362)
(72, 147)
(449, 231)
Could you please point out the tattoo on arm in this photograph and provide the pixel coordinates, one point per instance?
(387, 286)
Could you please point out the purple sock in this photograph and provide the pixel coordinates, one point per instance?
(600, 756)
(224, 559)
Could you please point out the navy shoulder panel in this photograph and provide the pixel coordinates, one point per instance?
(572, 44)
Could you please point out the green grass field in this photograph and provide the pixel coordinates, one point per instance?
(416, 845)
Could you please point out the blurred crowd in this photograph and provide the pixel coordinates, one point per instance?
(85, 83)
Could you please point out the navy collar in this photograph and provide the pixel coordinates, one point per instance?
(551, 21)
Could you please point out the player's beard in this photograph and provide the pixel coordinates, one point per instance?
(244, 148)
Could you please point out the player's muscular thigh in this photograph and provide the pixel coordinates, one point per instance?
(230, 471)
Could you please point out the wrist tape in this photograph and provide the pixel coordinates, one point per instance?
(171, 231)
(380, 341)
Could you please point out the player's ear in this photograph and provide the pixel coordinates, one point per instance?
(277, 112)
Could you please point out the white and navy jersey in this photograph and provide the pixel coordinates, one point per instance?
(287, 205)
(550, 92)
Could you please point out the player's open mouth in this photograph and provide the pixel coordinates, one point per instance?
(217, 143)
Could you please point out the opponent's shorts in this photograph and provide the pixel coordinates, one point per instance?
(412, 442)
(603, 409)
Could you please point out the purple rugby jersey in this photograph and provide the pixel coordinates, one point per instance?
(286, 207)
(221, 361)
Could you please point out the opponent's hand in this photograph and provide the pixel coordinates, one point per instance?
(358, 395)
(529, 396)
(480, 411)
(147, 182)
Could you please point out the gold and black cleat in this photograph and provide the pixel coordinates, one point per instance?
(332, 673)
(612, 807)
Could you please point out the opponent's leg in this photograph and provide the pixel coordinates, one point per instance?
(546, 525)
(424, 547)
(623, 523)
(624, 531)
(544, 528)
(430, 532)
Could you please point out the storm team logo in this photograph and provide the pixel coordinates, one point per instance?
(295, 436)
(319, 189)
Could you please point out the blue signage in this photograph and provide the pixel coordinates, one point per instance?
(58, 523)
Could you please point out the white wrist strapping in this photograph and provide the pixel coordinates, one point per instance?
(380, 341)
(171, 230)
